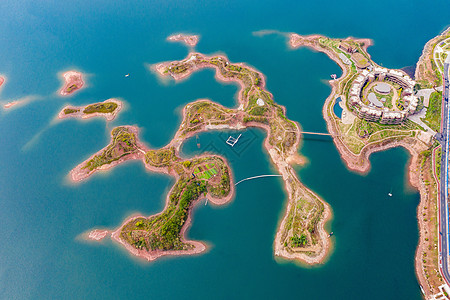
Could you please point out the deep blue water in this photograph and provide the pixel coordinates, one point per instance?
(42, 216)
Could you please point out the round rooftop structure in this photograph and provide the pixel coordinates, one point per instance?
(383, 88)
(374, 100)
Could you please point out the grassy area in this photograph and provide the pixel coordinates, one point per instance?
(69, 111)
(362, 132)
(71, 88)
(300, 229)
(433, 115)
(123, 143)
(104, 108)
(162, 232)
(160, 158)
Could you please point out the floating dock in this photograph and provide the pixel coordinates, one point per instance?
(232, 141)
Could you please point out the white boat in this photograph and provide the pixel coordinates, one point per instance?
(127, 75)
(390, 194)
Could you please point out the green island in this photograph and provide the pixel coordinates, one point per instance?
(162, 234)
(107, 109)
(306, 213)
(196, 178)
(301, 234)
(384, 108)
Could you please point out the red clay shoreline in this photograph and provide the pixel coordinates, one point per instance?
(187, 39)
(71, 78)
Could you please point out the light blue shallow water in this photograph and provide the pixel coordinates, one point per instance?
(41, 215)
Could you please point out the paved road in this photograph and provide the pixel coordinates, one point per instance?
(443, 202)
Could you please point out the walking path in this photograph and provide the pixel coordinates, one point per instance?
(436, 55)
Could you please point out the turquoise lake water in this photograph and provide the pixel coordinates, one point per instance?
(42, 215)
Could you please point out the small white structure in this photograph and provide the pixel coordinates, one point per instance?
(260, 102)
(193, 57)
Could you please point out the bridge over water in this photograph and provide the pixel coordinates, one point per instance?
(259, 176)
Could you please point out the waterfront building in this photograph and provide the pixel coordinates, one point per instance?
(373, 110)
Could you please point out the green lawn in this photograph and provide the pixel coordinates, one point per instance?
(433, 116)
(105, 108)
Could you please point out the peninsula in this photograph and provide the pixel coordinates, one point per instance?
(301, 233)
(73, 81)
(384, 108)
(188, 40)
(107, 109)
(164, 233)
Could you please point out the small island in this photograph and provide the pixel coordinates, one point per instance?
(20, 102)
(10, 104)
(97, 234)
(107, 109)
(188, 40)
(73, 81)
(372, 108)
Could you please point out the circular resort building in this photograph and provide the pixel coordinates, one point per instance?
(383, 81)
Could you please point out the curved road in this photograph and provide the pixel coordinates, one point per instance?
(443, 201)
